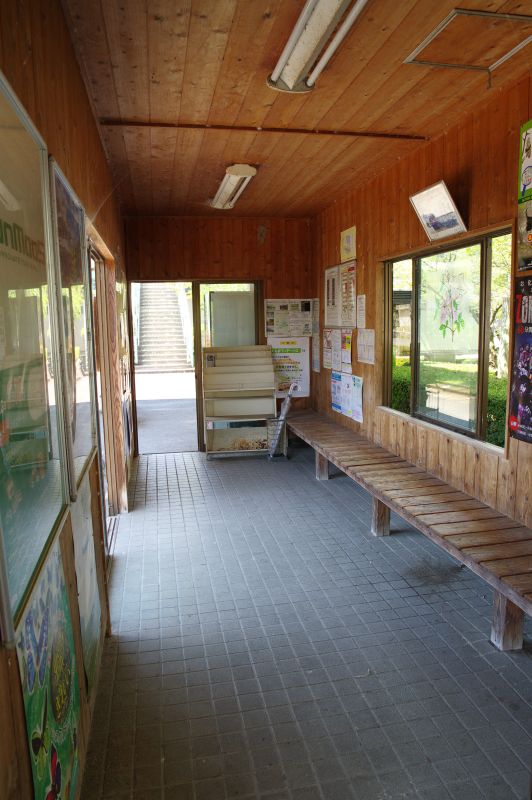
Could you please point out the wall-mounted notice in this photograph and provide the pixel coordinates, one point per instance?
(348, 284)
(327, 348)
(316, 353)
(288, 317)
(520, 415)
(348, 244)
(336, 338)
(332, 296)
(525, 163)
(347, 343)
(361, 311)
(524, 236)
(358, 385)
(346, 391)
(366, 346)
(336, 391)
(316, 317)
(290, 358)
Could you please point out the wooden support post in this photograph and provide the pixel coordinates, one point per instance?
(507, 624)
(380, 519)
(322, 467)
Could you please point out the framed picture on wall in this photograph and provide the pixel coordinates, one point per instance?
(437, 212)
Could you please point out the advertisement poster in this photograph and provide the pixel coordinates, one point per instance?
(358, 385)
(88, 594)
(336, 338)
(346, 392)
(288, 317)
(348, 244)
(327, 348)
(336, 391)
(361, 311)
(524, 236)
(525, 163)
(45, 651)
(291, 364)
(332, 296)
(347, 343)
(316, 353)
(366, 346)
(520, 415)
(348, 284)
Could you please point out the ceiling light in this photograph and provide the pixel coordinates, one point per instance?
(237, 177)
(302, 60)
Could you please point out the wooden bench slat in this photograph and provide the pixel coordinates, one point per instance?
(494, 524)
(432, 489)
(463, 540)
(451, 505)
(428, 498)
(461, 516)
(502, 550)
(508, 566)
(521, 582)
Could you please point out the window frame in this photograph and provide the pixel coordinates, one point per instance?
(484, 240)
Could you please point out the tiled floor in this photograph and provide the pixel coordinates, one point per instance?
(267, 646)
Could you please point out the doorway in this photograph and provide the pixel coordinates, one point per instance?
(163, 352)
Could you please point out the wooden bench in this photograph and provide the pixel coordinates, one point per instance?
(493, 546)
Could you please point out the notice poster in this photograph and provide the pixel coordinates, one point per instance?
(520, 415)
(327, 348)
(361, 311)
(366, 346)
(336, 391)
(316, 317)
(524, 236)
(346, 392)
(525, 163)
(348, 244)
(347, 343)
(316, 353)
(288, 317)
(358, 385)
(50, 689)
(291, 364)
(332, 296)
(348, 285)
(336, 338)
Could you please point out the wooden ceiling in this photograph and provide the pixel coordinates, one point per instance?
(159, 71)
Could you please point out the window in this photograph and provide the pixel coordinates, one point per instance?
(449, 326)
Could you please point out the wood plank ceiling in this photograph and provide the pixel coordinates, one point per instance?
(153, 65)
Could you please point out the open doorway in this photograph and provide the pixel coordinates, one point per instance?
(163, 347)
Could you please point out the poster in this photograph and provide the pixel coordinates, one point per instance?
(45, 651)
(348, 285)
(332, 296)
(336, 338)
(524, 236)
(336, 391)
(316, 317)
(520, 415)
(291, 363)
(347, 342)
(361, 311)
(316, 353)
(366, 346)
(348, 244)
(88, 592)
(525, 163)
(346, 394)
(327, 348)
(358, 385)
(288, 317)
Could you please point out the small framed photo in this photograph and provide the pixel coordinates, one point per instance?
(437, 212)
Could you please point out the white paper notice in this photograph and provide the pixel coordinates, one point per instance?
(288, 317)
(357, 384)
(332, 296)
(336, 338)
(336, 391)
(347, 342)
(316, 353)
(348, 283)
(347, 395)
(290, 364)
(315, 317)
(366, 346)
(327, 348)
(361, 311)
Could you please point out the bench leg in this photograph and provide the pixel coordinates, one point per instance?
(322, 467)
(380, 519)
(507, 624)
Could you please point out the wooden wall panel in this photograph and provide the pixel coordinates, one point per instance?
(15, 768)
(478, 161)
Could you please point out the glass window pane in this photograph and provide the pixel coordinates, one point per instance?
(31, 495)
(499, 338)
(448, 336)
(80, 417)
(401, 335)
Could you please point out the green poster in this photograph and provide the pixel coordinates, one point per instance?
(45, 649)
(525, 163)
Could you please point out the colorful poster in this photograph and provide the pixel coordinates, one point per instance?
(358, 385)
(524, 236)
(525, 163)
(88, 593)
(366, 346)
(348, 244)
(288, 317)
(316, 353)
(291, 364)
(327, 348)
(347, 343)
(47, 663)
(520, 415)
(361, 311)
(332, 296)
(336, 338)
(336, 391)
(348, 285)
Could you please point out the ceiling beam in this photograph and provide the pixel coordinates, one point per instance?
(110, 122)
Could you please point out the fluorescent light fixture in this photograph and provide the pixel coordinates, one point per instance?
(302, 61)
(237, 177)
(8, 199)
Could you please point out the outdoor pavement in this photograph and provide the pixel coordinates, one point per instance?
(166, 412)
(265, 645)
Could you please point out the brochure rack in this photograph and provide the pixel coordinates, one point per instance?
(238, 399)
